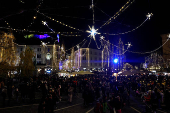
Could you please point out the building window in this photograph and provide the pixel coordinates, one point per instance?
(95, 58)
(95, 53)
(91, 64)
(90, 58)
(21, 49)
(100, 54)
(38, 49)
(38, 55)
(48, 49)
(95, 64)
(100, 64)
(100, 58)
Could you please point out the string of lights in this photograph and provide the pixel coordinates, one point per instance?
(76, 45)
(24, 30)
(122, 9)
(35, 17)
(74, 17)
(87, 47)
(129, 30)
(110, 16)
(152, 50)
(128, 46)
(97, 45)
(45, 23)
(8, 25)
(60, 22)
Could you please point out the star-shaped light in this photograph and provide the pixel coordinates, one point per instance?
(44, 22)
(43, 44)
(149, 15)
(92, 32)
(129, 45)
(102, 37)
(168, 36)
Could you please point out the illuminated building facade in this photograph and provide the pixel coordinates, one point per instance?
(88, 59)
(47, 57)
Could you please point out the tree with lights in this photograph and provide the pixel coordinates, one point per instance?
(26, 64)
(155, 62)
(7, 53)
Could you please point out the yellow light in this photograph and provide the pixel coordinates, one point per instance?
(35, 17)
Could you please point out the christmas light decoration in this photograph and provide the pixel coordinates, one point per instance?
(29, 36)
(124, 51)
(61, 33)
(152, 50)
(130, 30)
(76, 45)
(115, 60)
(42, 36)
(155, 62)
(149, 15)
(60, 22)
(122, 9)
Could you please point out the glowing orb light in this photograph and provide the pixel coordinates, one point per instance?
(115, 60)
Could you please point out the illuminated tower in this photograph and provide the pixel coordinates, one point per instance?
(120, 55)
(106, 55)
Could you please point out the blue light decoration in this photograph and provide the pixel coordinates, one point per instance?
(58, 37)
(42, 36)
(115, 60)
(60, 65)
(48, 71)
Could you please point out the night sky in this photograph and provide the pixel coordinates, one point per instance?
(78, 14)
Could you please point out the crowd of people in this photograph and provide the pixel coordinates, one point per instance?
(153, 90)
(107, 92)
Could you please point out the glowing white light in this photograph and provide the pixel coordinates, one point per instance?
(102, 37)
(93, 31)
(44, 44)
(44, 22)
(149, 15)
(168, 36)
(129, 44)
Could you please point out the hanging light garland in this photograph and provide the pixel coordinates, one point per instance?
(35, 17)
(128, 46)
(130, 30)
(60, 22)
(87, 47)
(76, 45)
(122, 9)
(152, 50)
(45, 23)
(8, 25)
(24, 30)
